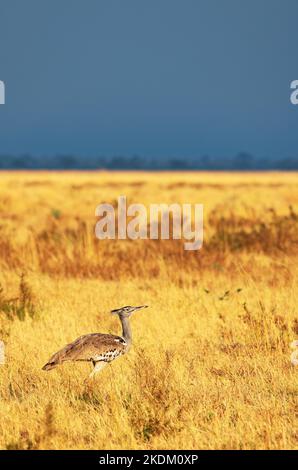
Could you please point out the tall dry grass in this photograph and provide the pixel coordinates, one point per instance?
(209, 367)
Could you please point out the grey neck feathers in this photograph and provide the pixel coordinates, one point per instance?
(126, 329)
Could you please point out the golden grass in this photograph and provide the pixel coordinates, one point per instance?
(209, 367)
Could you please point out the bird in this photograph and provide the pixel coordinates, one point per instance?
(98, 348)
(294, 355)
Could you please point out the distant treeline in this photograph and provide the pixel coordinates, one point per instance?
(242, 161)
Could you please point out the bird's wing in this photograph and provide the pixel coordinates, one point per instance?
(95, 346)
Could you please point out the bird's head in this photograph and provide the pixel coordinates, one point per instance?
(127, 310)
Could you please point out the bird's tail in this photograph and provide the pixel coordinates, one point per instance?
(49, 365)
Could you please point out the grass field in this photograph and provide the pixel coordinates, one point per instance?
(209, 367)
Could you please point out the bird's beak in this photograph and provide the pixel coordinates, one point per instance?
(141, 306)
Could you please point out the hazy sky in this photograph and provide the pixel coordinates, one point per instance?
(149, 77)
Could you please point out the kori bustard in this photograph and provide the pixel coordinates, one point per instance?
(98, 348)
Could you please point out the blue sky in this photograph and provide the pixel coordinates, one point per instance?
(156, 78)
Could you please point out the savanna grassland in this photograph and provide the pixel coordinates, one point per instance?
(209, 367)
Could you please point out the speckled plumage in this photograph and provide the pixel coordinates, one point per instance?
(93, 347)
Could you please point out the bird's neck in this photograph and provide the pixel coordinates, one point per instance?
(126, 330)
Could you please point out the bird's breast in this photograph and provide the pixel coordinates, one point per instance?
(109, 355)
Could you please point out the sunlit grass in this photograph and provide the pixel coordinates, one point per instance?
(210, 363)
